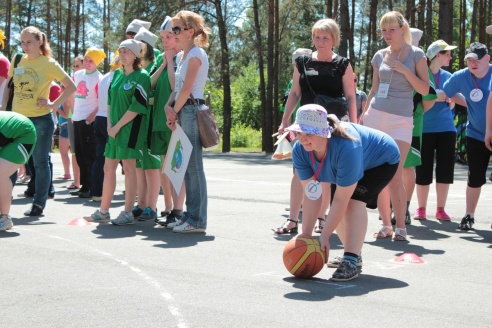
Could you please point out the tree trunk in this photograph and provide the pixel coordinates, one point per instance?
(473, 33)
(259, 49)
(268, 126)
(373, 26)
(344, 28)
(329, 8)
(226, 77)
(276, 65)
(8, 27)
(428, 23)
(446, 20)
(351, 35)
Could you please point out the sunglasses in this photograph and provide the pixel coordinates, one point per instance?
(177, 30)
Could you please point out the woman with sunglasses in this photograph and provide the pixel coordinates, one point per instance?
(187, 98)
(399, 69)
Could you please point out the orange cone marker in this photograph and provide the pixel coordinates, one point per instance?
(79, 222)
(409, 258)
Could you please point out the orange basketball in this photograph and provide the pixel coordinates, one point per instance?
(303, 257)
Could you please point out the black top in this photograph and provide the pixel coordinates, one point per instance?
(325, 78)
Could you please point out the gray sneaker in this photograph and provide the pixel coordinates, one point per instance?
(98, 216)
(335, 263)
(5, 223)
(345, 272)
(123, 218)
(147, 214)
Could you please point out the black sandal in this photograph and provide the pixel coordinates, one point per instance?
(319, 228)
(281, 230)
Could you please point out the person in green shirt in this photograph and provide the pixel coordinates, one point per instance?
(127, 115)
(17, 140)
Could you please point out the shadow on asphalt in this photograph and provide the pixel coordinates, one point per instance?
(248, 158)
(400, 247)
(165, 237)
(8, 234)
(316, 290)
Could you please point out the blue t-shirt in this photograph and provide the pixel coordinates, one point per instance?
(346, 159)
(463, 82)
(439, 118)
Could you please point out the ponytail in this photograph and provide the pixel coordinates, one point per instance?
(338, 130)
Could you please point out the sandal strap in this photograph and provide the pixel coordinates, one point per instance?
(321, 219)
(295, 221)
(401, 232)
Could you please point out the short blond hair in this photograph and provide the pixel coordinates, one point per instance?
(328, 25)
(396, 18)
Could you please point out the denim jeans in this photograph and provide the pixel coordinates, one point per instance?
(101, 134)
(44, 129)
(31, 186)
(195, 182)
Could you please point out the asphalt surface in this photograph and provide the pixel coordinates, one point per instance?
(60, 275)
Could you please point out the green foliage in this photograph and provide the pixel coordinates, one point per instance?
(246, 98)
(243, 136)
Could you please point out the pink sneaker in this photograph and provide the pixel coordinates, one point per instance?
(420, 214)
(442, 216)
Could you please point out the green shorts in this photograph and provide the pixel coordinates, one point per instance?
(159, 142)
(149, 161)
(16, 152)
(114, 151)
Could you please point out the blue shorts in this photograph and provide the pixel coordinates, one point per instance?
(64, 130)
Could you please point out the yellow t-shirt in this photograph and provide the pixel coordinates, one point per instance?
(32, 79)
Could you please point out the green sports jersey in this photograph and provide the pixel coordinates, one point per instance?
(162, 92)
(130, 92)
(14, 126)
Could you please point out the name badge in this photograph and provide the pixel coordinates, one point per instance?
(383, 90)
(19, 70)
(313, 190)
(476, 95)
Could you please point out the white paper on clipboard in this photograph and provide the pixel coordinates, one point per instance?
(177, 157)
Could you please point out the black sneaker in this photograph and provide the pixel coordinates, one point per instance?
(171, 218)
(408, 220)
(34, 210)
(85, 194)
(136, 211)
(467, 222)
(345, 272)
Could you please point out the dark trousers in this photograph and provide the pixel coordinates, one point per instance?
(101, 134)
(85, 154)
(31, 186)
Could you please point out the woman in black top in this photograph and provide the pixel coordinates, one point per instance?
(328, 74)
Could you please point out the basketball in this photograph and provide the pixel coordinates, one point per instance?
(303, 257)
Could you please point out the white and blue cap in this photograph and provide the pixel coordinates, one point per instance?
(145, 35)
(132, 45)
(167, 25)
(312, 119)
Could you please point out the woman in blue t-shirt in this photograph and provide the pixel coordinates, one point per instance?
(350, 162)
(438, 137)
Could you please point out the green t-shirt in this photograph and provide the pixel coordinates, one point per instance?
(162, 92)
(282, 108)
(130, 93)
(16, 126)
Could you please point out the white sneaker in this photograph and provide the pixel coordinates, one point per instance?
(5, 223)
(188, 228)
(174, 224)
